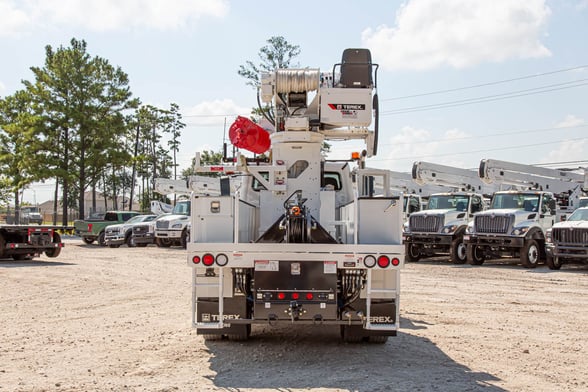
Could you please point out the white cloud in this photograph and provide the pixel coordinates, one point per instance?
(411, 144)
(214, 112)
(568, 150)
(459, 33)
(105, 15)
(2, 88)
(570, 121)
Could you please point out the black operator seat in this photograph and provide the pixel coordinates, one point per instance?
(356, 69)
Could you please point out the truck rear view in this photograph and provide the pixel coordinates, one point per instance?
(294, 243)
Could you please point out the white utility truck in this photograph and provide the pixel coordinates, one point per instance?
(439, 229)
(517, 221)
(295, 242)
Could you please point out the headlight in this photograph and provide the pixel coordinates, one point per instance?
(177, 226)
(520, 230)
(548, 236)
(449, 229)
(405, 227)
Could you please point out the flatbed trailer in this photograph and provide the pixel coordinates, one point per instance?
(21, 242)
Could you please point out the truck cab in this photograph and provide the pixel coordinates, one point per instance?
(172, 229)
(439, 229)
(514, 226)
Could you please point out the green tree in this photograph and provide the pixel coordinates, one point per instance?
(19, 146)
(84, 99)
(278, 53)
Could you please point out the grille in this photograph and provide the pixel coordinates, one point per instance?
(162, 224)
(498, 224)
(426, 223)
(110, 230)
(570, 236)
(140, 229)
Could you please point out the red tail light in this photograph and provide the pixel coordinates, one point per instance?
(383, 261)
(208, 259)
(281, 296)
(196, 259)
(89, 227)
(395, 262)
(309, 296)
(295, 295)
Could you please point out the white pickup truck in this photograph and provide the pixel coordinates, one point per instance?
(173, 229)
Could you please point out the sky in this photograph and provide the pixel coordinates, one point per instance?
(458, 80)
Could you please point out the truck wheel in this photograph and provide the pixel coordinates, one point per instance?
(378, 339)
(55, 251)
(530, 254)
(553, 263)
(458, 252)
(352, 333)
(163, 242)
(87, 240)
(184, 239)
(101, 240)
(411, 253)
(130, 241)
(242, 335)
(212, 336)
(475, 255)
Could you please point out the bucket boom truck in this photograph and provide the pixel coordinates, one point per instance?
(439, 229)
(516, 223)
(293, 243)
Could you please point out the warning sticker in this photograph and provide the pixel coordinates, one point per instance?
(267, 265)
(330, 267)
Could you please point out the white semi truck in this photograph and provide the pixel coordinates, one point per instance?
(294, 243)
(517, 221)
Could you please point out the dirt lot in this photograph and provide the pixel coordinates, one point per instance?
(118, 319)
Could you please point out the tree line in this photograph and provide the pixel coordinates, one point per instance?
(77, 123)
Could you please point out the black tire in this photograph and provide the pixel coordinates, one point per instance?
(88, 240)
(55, 251)
(163, 242)
(552, 262)
(212, 336)
(475, 255)
(184, 239)
(530, 254)
(129, 240)
(242, 335)
(458, 252)
(352, 333)
(411, 253)
(378, 339)
(141, 245)
(101, 240)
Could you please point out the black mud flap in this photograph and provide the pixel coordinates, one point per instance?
(233, 308)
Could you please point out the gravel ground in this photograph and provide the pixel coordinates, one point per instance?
(119, 319)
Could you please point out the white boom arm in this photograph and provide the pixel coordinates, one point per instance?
(457, 178)
(532, 177)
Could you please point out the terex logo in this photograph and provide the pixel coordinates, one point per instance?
(381, 320)
(346, 106)
(207, 317)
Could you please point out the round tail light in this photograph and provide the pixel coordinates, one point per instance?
(309, 296)
(295, 295)
(196, 259)
(383, 261)
(281, 296)
(208, 259)
(395, 262)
